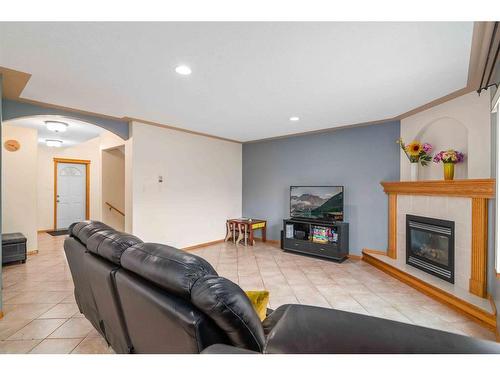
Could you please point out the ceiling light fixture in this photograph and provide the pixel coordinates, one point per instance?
(294, 118)
(183, 70)
(53, 143)
(56, 126)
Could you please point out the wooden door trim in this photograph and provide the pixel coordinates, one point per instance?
(87, 185)
(73, 161)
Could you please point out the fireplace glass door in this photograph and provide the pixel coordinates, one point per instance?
(430, 245)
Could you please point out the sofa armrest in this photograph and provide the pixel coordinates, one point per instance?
(226, 349)
(296, 329)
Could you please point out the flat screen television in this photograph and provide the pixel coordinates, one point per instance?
(317, 202)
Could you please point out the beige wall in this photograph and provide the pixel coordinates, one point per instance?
(113, 186)
(110, 140)
(19, 184)
(462, 123)
(201, 188)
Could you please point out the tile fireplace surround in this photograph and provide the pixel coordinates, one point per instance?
(465, 202)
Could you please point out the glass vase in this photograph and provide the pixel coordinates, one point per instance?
(449, 171)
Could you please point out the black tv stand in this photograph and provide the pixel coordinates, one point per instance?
(320, 238)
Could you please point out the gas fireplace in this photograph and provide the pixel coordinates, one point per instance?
(430, 246)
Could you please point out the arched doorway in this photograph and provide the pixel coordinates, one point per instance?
(55, 177)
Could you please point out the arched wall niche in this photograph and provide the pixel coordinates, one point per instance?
(444, 133)
(463, 123)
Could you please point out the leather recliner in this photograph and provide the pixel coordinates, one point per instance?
(77, 242)
(153, 298)
(101, 263)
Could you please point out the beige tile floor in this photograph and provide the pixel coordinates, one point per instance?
(352, 286)
(41, 315)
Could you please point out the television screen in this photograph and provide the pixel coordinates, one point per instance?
(317, 202)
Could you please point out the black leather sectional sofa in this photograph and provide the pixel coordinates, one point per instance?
(153, 298)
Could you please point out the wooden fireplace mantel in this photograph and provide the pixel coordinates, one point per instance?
(473, 188)
(478, 190)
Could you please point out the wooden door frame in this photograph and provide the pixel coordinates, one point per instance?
(87, 185)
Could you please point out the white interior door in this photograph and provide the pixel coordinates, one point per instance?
(71, 194)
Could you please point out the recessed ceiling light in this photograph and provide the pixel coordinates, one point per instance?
(53, 143)
(294, 118)
(183, 70)
(56, 126)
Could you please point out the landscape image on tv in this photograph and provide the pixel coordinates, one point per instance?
(317, 202)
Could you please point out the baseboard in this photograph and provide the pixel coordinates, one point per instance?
(354, 256)
(205, 244)
(32, 252)
(44, 230)
(274, 242)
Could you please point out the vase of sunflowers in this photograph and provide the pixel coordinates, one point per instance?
(449, 158)
(417, 153)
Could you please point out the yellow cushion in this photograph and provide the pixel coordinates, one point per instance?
(259, 299)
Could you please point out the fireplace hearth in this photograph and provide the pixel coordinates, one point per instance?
(430, 246)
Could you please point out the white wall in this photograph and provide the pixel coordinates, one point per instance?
(19, 184)
(113, 186)
(462, 123)
(202, 185)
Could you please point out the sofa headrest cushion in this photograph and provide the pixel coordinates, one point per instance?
(84, 229)
(172, 269)
(110, 244)
(229, 307)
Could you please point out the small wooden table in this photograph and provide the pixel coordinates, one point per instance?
(245, 226)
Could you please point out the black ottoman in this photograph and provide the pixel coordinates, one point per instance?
(13, 248)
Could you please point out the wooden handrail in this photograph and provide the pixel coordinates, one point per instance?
(111, 207)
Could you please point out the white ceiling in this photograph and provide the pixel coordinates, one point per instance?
(76, 132)
(248, 78)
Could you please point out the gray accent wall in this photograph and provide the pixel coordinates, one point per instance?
(357, 157)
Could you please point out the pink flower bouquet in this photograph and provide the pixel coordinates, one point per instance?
(449, 156)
